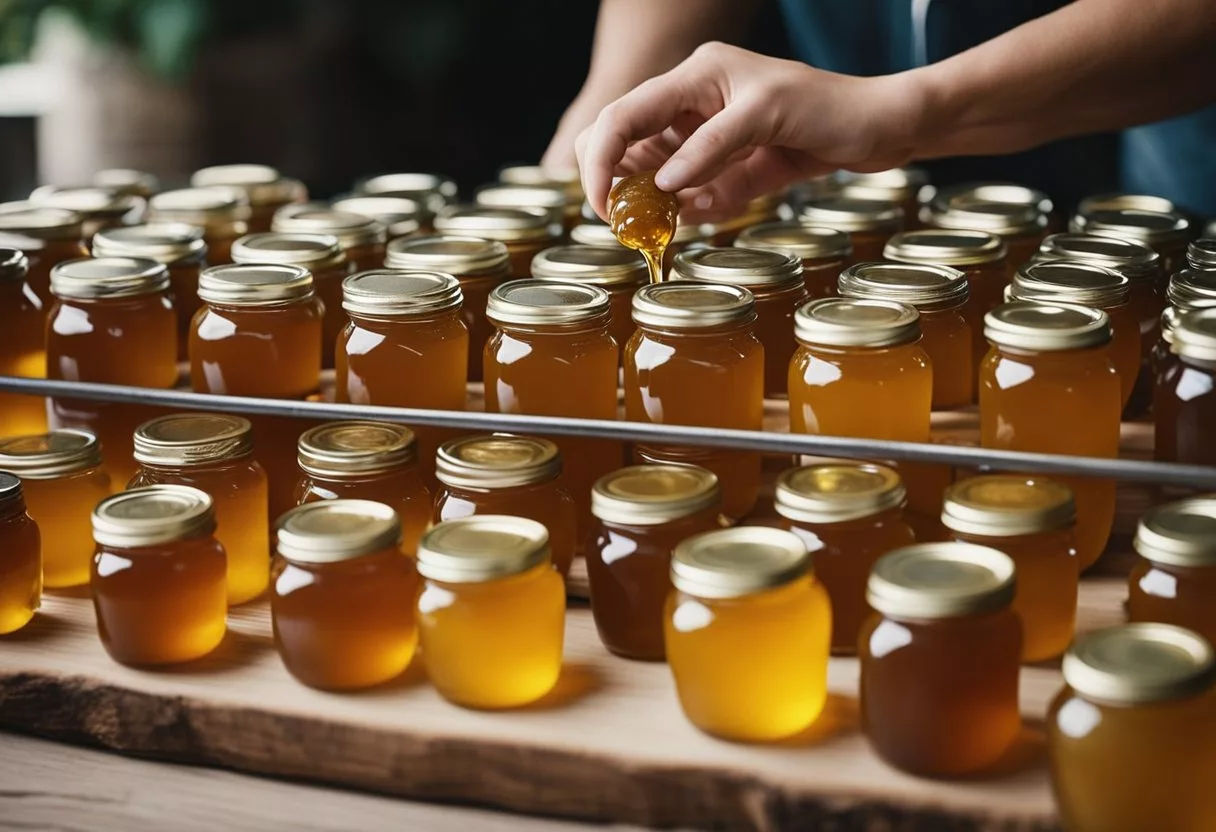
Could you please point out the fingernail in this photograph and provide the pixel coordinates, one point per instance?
(671, 177)
(704, 202)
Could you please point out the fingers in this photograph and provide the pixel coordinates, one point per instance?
(711, 147)
(767, 170)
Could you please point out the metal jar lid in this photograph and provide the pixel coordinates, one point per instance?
(1138, 664)
(254, 284)
(1005, 505)
(14, 265)
(1201, 254)
(461, 256)
(11, 495)
(1005, 219)
(1179, 534)
(184, 440)
(651, 495)
(593, 265)
(48, 456)
(1191, 289)
(688, 305)
(382, 293)
(108, 277)
(152, 516)
(927, 288)
(427, 189)
(850, 322)
(508, 225)
(497, 461)
(398, 214)
(837, 492)
(1061, 281)
(806, 242)
(731, 563)
(1194, 335)
(262, 184)
(1153, 228)
(546, 303)
(851, 215)
(941, 580)
(753, 269)
(90, 202)
(128, 181)
(313, 251)
(1047, 327)
(595, 233)
(1131, 259)
(482, 548)
(20, 219)
(331, 531)
(1007, 193)
(351, 230)
(894, 185)
(1119, 202)
(169, 243)
(566, 179)
(355, 449)
(945, 247)
(554, 200)
(223, 211)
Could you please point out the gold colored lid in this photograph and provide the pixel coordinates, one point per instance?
(805, 242)
(997, 192)
(650, 495)
(599, 234)
(262, 184)
(846, 214)
(731, 563)
(1007, 506)
(1134, 260)
(254, 284)
(314, 251)
(851, 322)
(1136, 664)
(1006, 219)
(507, 225)
(127, 181)
(356, 449)
(497, 461)
(430, 190)
(837, 492)
(1182, 533)
(391, 294)
(153, 515)
(592, 265)
(1191, 289)
(20, 219)
(108, 277)
(546, 303)
(553, 199)
(331, 531)
(567, 180)
(1194, 335)
(921, 286)
(222, 211)
(461, 256)
(351, 230)
(482, 548)
(1148, 227)
(1047, 327)
(14, 265)
(165, 242)
(753, 269)
(1201, 254)
(1119, 202)
(941, 580)
(945, 247)
(688, 305)
(1060, 281)
(894, 185)
(48, 456)
(184, 440)
(398, 214)
(89, 202)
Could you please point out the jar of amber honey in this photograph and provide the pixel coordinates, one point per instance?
(1165, 232)
(823, 251)
(23, 347)
(265, 189)
(1129, 738)
(526, 232)
(849, 515)
(898, 186)
(222, 213)
(491, 613)
(1187, 291)
(399, 216)
(99, 208)
(431, 191)
(1184, 404)
(552, 200)
(20, 558)
(747, 629)
(1174, 580)
(511, 475)
(158, 576)
(695, 360)
(593, 232)
(940, 659)
(47, 237)
(1016, 214)
(361, 238)
(213, 452)
(565, 181)
(869, 223)
(643, 512)
(342, 595)
(1049, 386)
(618, 271)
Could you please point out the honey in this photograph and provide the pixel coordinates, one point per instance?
(594, 232)
(1018, 215)
(525, 232)
(399, 216)
(265, 189)
(23, 348)
(361, 238)
(617, 271)
(1187, 291)
(940, 659)
(849, 515)
(1031, 521)
(515, 476)
(695, 360)
(554, 201)
(1176, 574)
(1129, 738)
(20, 558)
(127, 181)
(430, 191)
(99, 208)
(747, 630)
(491, 613)
(1165, 232)
(214, 453)
(222, 213)
(342, 595)
(1184, 404)
(643, 218)
(1049, 386)
(158, 576)
(823, 251)
(899, 186)
(868, 223)
(643, 513)
(47, 237)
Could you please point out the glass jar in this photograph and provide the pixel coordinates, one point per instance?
(20, 558)
(1129, 738)
(491, 613)
(594, 232)
(127, 181)
(1201, 254)
(265, 189)
(213, 452)
(695, 360)
(849, 515)
(222, 213)
(552, 200)
(47, 237)
(1048, 386)
(479, 265)
(158, 578)
(99, 208)
(526, 232)
(399, 216)
(512, 475)
(23, 348)
(1031, 521)
(618, 271)
(431, 191)
(342, 595)
(361, 238)
(566, 180)
(1176, 575)
(869, 223)
(1187, 291)
(940, 659)
(747, 629)
(1165, 232)
(643, 512)
(1016, 214)
(898, 186)
(552, 355)
(823, 251)
(1184, 404)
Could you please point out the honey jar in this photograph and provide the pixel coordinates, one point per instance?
(361, 238)
(1031, 521)
(213, 452)
(431, 191)
(47, 237)
(823, 251)
(511, 475)
(491, 613)
(567, 181)
(1049, 386)
(342, 595)
(869, 223)
(593, 232)
(940, 659)
(643, 512)
(265, 189)
(1129, 738)
(554, 201)
(524, 231)
(98, 208)
(399, 215)
(1187, 291)
(747, 629)
(617, 270)
(1184, 405)
(695, 360)
(222, 213)
(158, 576)
(1165, 232)
(898, 186)
(23, 348)
(1016, 214)
(20, 558)
(1176, 574)
(849, 515)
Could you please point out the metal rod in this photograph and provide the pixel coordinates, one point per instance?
(1193, 476)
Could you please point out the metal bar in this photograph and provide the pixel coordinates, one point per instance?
(1193, 476)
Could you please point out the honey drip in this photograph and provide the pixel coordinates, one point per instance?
(643, 218)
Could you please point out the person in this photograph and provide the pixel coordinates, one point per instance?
(888, 82)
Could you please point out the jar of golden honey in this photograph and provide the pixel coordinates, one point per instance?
(618, 271)
(1184, 405)
(47, 237)
(849, 515)
(1049, 386)
(898, 186)
(1016, 214)
(526, 232)
(823, 251)
(940, 659)
(1165, 232)
(431, 191)
(20, 558)
(511, 475)
(1188, 290)
(565, 181)
(593, 232)
(1129, 738)
(747, 629)
(99, 208)
(695, 360)
(491, 613)
(23, 348)
(222, 213)
(265, 189)
(213, 452)
(869, 223)
(342, 595)
(158, 576)
(479, 265)
(1031, 521)
(643, 512)
(399, 216)
(552, 200)
(1174, 580)
(361, 238)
